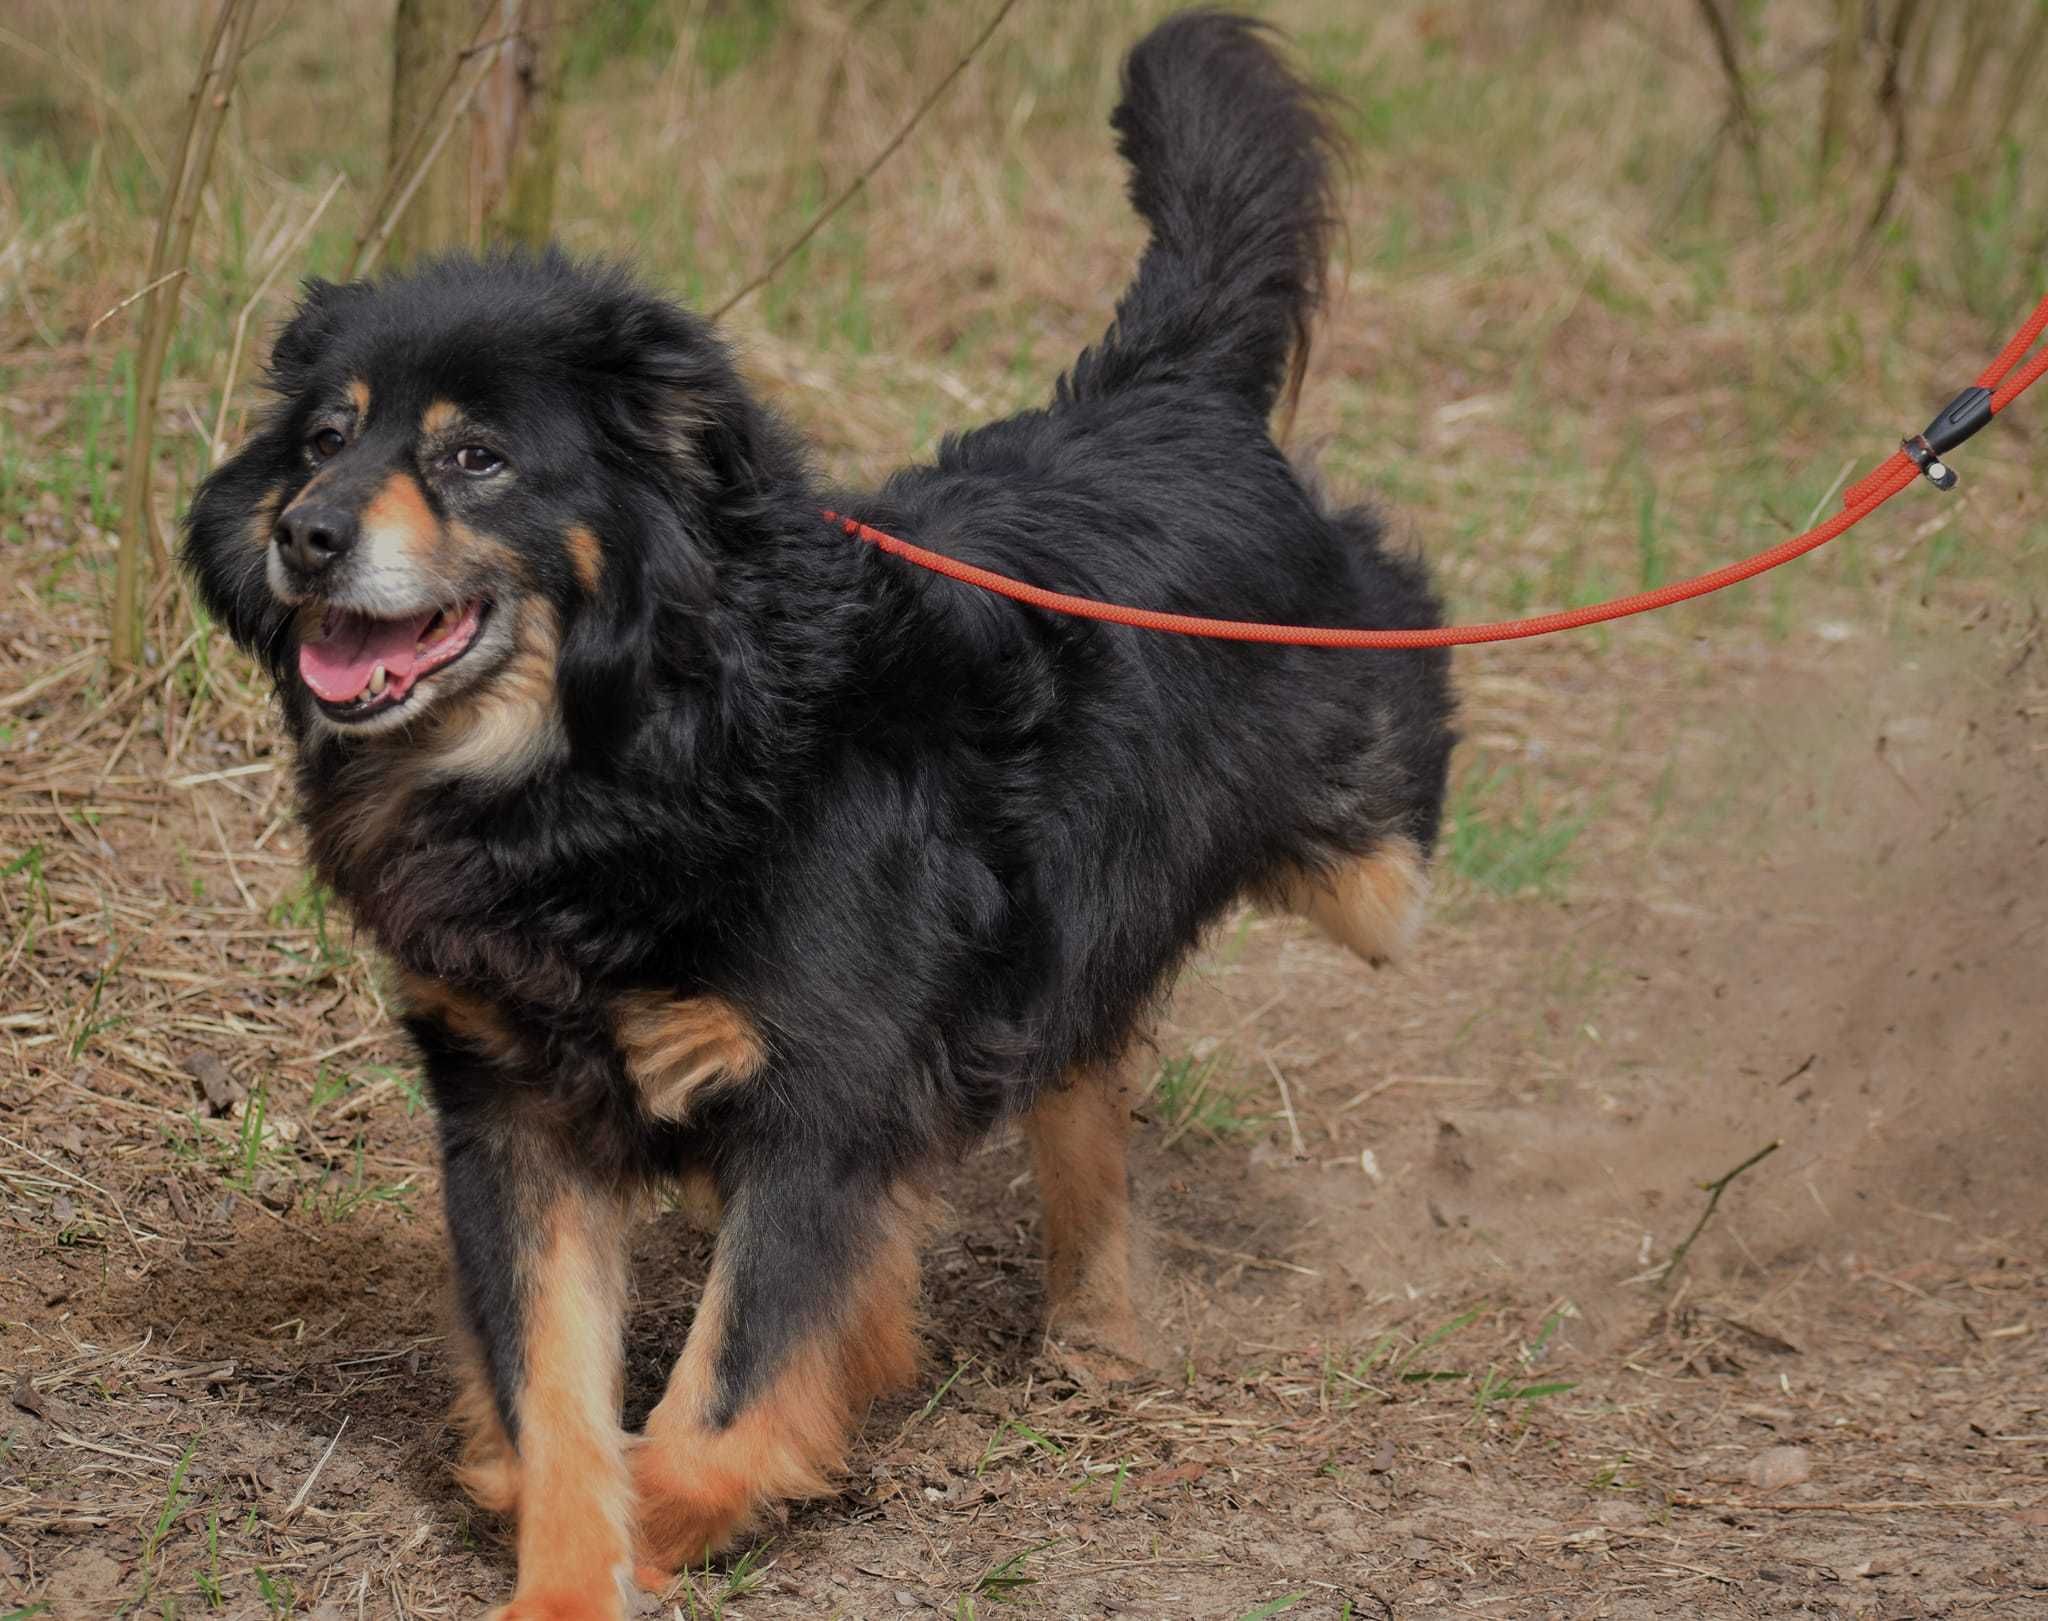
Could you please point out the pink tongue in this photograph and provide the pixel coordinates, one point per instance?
(338, 667)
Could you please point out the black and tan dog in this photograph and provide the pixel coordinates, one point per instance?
(709, 843)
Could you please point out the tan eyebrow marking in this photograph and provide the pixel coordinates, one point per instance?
(586, 555)
(359, 397)
(443, 416)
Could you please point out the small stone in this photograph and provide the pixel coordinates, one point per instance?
(1778, 1467)
(220, 1089)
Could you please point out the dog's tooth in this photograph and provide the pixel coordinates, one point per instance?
(377, 682)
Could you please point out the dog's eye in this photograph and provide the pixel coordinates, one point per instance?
(477, 461)
(326, 444)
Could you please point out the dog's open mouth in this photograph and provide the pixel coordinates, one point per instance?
(360, 666)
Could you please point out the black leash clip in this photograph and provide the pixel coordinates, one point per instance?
(1960, 418)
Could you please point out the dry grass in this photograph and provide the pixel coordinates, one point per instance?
(1571, 353)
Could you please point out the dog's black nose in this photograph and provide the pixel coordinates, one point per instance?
(312, 536)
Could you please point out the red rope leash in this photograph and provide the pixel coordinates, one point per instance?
(1993, 391)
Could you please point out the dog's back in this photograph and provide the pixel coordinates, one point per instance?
(1204, 770)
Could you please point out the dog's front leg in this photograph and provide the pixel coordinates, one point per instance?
(539, 1241)
(808, 1315)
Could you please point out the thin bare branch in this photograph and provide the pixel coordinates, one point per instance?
(1891, 101)
(383, 214)
(371, 248)
(1741, 107)
(169, 256)
(1713, 1190)
(285, 255)
(2021, 87)
(774, 265)
(139, 294)
(1843, 56)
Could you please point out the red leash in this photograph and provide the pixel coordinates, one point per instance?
(1917, 456)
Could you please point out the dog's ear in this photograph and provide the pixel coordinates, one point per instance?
(699, 458)
(672, 392)
(631, 616)
(226, 549)
(306, 336)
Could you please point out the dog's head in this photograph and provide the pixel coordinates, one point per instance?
(482, 487)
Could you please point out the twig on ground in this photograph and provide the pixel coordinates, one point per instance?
(1880, 1506)
(291, 1511)
(1713, 1190)
(1393, 1081)
(1183, 1242)
(1187, 1114)
(766, 275)
(1287, 1108)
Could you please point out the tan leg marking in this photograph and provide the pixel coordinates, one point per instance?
(468, 1018)
(489, 1467)
(586, 556)
(1079, 1136)
(675, 1046)
(1372, 906)
(575, 1495)
(697, 1487)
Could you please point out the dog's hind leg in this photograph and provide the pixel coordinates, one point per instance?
(1371, 904)
(1079, 1135)
(808, 1315)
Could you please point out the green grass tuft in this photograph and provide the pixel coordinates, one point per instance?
(1514, 852)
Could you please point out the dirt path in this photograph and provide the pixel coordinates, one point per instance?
(1411, 1356)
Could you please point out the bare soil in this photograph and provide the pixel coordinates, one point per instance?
(1413, 1355)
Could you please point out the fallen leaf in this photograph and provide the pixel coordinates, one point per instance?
(29, 1399)
(1174, 1476)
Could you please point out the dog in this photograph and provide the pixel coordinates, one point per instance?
(710, 846)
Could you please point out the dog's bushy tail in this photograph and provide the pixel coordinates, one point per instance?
(1231, 157)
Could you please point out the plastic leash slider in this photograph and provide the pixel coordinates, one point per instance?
(1958, 419)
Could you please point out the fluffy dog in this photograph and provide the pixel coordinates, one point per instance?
(707, 843)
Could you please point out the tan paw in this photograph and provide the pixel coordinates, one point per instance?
(684, 1516)
(561, 1607)
(1109, 1351)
